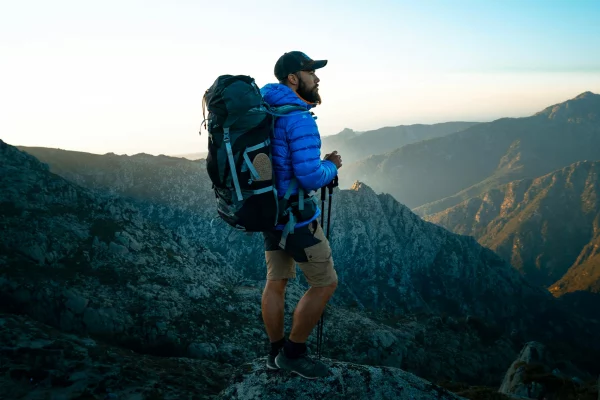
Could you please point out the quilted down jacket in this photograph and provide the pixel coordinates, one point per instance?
(296, 144)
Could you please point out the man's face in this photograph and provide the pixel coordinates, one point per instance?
(308, 86)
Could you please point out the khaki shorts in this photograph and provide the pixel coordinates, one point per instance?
(308, 247)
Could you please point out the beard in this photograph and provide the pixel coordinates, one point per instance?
(312, 96)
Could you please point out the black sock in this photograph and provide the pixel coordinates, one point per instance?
(275, 346)
(294, 350)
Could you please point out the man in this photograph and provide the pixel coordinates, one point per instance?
(296, 145)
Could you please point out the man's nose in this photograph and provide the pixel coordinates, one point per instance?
(317, 80)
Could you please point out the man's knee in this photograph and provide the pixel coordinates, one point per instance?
(276, 285)
(333, 285)
(326, 287)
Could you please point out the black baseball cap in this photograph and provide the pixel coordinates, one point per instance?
(295, 61)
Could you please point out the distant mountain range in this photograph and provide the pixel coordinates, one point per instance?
(439, 173)
(192, 156)
(354, 146)
(584, 274)
(544, 227)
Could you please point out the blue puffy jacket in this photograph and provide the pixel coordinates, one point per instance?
(296, 144)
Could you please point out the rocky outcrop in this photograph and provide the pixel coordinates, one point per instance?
(40, 362)
(535, 375)
(390, 259)
(515, 382)
(346, 381)
(584, 274)
(93, 264)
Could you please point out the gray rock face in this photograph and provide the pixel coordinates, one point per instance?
(524, 222)
(514, 381)
(39, 362)
(535, 374)
(202, 350)
(347, 381)
(391, 259)
(99, 267)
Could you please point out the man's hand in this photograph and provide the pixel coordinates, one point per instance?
(335, 158)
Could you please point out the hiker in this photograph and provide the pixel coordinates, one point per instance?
(296, 147)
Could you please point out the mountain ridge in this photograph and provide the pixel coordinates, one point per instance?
(523, 221)
(480, 157)
(353, 145)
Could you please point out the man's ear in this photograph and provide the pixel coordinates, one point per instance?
(293, 78)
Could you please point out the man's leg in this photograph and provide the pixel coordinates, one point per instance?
(280, 267)
(273, 298)
(309, 311)
(313, 254)
(317, 266)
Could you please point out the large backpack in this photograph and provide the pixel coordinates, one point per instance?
(239, 161)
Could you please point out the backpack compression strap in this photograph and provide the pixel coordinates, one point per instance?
(249, 166)
(234, 176)
(289, 227)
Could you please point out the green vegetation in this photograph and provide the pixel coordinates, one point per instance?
(105, 229)
(9, 209)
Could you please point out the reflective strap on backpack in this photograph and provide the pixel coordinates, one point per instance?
(236, 183)
(288, 229)
(249, 164)
(300, 199)
(290, 189)
(263, 190)
(283, 111)
(258, 146)
(289, 226)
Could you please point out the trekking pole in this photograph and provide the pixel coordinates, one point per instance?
(323, 205)
(320, 325)
(329, 187)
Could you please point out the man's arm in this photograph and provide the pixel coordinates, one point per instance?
(305, 147)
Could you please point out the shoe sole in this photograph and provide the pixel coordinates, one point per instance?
(272, 368)
(297, 373)
(304, 376)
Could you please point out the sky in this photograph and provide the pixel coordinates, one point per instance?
(128, 76)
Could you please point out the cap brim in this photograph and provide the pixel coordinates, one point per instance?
(317, 64)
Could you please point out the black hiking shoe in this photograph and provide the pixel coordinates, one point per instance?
(271, 362)
(305, 366)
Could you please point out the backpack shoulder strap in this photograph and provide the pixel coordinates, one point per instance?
(282, 111)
